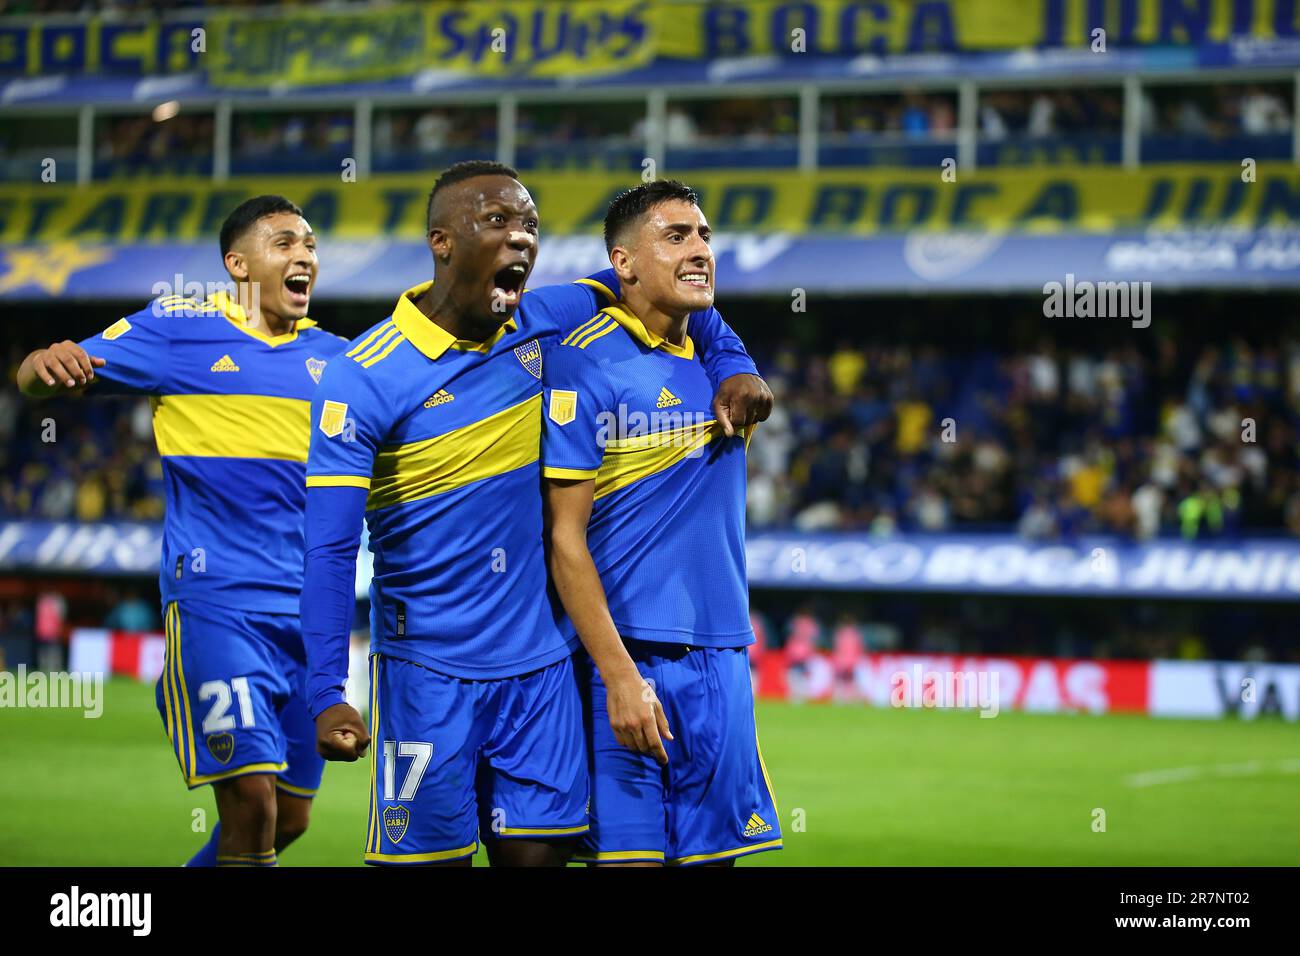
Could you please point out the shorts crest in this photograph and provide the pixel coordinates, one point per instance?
(395, 822)
(222, 746)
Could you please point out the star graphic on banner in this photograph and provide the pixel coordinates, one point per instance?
(48, 266)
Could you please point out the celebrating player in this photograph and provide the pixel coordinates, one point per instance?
(645, 500)
(231, 381)
(431, 428)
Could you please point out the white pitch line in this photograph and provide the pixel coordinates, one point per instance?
(1251, 768)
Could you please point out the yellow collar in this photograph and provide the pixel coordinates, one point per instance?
(431, 338)
(636, 328)
(238, 317)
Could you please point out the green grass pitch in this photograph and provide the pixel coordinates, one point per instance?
(855, 786)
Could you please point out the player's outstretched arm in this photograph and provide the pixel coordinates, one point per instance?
(334, 517)
(350, 416)
(742, 399)
(63, 367)
(635, 713)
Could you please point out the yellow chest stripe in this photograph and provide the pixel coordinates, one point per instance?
(495, 445)
(630, 459)
(232, 426)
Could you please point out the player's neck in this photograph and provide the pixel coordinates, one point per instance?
(669, 326)
(437, 305)
(272, 324)
(261, 320)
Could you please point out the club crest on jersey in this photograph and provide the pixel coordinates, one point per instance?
(395, 821)
(314, 368)
(332, 416)
(221, 746)
(530, 357)
(564, 406)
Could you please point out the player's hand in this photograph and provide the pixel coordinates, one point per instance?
(636, 715)
(65, 365)
(741, 400)
(341, 734)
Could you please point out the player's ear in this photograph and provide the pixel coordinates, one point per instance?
(236, 265)
(440, 243)
(621, 260)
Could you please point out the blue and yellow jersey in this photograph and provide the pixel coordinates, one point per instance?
(443, 438)
(444, 435)
(667, 530)
(231, 416)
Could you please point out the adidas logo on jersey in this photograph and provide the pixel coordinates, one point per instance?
(667, 399)
(756, 826)
(224, 364)
(440, 397)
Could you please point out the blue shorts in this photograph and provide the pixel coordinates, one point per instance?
(232, 697)
(449, 756)
(714, 799)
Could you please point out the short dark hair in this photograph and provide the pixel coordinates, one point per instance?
(247, 213)
(627, 207)
(460, 172)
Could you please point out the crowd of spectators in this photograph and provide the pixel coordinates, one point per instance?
(1053, 442)
(127, 143)
(429, 132)
(267, 141)
(1217, 111)
(1005, 114)
(910, 114)
(286, 135)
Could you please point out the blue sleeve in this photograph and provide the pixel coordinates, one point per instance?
(349, 421)
(720, 349)
(136, 349)
(562, 307)
(328, 600)
(578, 401)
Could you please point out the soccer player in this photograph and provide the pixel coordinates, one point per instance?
(430, 428)
(645, 501)
(230, 381)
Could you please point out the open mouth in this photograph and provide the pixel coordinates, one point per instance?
(698, 279)
(508, 285)
(298, 286)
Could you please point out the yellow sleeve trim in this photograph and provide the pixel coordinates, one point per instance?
(568, 472)
(600, 287)
(338, 481)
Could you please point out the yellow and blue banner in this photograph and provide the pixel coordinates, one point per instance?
(840, 231)
(546, 41)
(1051, 199)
